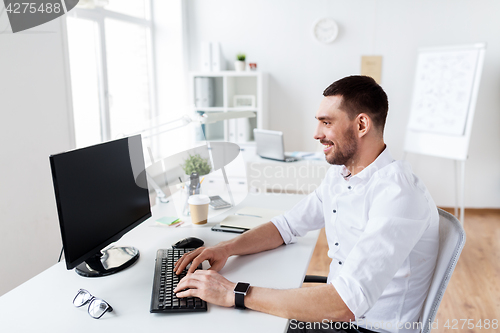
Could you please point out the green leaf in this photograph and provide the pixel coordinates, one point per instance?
(195, 163)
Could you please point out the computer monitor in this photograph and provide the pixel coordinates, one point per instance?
(101, 194)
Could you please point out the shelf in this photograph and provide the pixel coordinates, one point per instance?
(210, 109)
(243, 108)
(220, 91)
(222, 109)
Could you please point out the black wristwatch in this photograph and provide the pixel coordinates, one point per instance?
(240, 291)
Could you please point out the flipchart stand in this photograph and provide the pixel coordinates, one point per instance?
(443, 105)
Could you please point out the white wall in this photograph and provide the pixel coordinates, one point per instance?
(277, 35)
(34, 124)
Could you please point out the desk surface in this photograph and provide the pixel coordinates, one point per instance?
(44, 303)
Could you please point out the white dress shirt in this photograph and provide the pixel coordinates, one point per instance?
(382, 230)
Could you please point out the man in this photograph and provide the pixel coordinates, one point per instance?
(380, 221)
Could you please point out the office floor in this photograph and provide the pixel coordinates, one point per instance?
(473, 294)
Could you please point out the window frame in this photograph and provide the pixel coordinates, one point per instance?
(99, 15)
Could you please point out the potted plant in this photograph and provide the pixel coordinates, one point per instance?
(195, 163)
(239, 64)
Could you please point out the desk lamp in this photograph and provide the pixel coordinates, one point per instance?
(221, 153)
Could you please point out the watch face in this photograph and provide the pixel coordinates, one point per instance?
(325, 30)
(241, 287)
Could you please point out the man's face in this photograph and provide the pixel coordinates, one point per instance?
(336, 132)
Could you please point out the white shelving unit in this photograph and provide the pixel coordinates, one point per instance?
(226, 85)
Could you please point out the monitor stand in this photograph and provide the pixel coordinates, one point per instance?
(108, 261)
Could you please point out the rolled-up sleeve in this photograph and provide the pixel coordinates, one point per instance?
(396, 221)
(305, 216)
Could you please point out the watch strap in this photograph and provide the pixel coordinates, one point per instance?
(239, 301)
(240, 292)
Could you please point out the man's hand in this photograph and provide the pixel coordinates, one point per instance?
(216, 256)
(210, 286)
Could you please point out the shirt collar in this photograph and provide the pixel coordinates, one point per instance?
(383, 159)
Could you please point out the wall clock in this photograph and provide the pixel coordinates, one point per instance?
(325, 30)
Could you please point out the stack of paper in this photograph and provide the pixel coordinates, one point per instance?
(250, 217)
(169, 221)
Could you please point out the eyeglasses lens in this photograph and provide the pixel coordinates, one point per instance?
(97, 308)
(82, 298)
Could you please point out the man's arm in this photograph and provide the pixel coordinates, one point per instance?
(304, 304)
(262, 238)
(304, 216)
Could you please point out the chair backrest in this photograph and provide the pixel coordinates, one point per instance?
(451, 243)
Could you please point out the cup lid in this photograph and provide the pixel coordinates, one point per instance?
(199, 199)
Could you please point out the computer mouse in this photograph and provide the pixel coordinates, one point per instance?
(189, 242)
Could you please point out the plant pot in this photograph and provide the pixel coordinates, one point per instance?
(239, 66)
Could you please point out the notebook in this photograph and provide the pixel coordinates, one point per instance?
(250, 217)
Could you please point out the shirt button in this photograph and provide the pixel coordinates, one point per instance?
(340, 262)
(336, 244)
(334, 210)
(349, 187)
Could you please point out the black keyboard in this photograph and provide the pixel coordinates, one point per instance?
(163, 298)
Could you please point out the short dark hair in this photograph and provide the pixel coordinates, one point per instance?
(361, 94)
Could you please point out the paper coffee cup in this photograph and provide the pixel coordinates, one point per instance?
(198, 207)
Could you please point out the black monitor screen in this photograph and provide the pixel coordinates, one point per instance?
(101, 193)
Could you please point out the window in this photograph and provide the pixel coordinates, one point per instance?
(110, 52)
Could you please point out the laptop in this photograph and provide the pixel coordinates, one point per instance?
(270, 145)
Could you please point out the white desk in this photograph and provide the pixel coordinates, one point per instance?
(44, 303)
